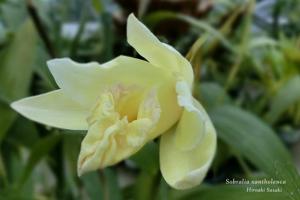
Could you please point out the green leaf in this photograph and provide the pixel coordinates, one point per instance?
(287, 95)
(224, 152)
(16, 65)
(38, 152)
(108, 36)
(7, 118)
(93, 186)
(98, 5)
(142, 7)
(208, 28)
(211, 94)
(13, 13)
(147, 158)
(145, 186)
(163, 190)
(257, 142)
(3, 173)
(16, 69)
(158, 16)
(11, 193)
(259, 42)
(102, 185)
(113, 190)
(71, 147)
(47, 82)
(23, 133)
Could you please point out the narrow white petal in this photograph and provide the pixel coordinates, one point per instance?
(53, 109)
(156, 52)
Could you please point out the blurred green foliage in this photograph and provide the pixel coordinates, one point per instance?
(246, 55)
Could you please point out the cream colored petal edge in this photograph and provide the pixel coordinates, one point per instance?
(192, 141)
(156, 52)
(190, 114)
(74, 78)
(85, 82)
(184, 169)
(53, 109)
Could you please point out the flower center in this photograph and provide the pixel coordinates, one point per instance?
(119, 125)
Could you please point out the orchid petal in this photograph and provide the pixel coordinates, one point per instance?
(86, 82)
(157, 53)
(111, 137)
(53, 109)
(186, 151)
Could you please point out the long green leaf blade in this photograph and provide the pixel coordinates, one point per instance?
(259, 144)
(16, 69)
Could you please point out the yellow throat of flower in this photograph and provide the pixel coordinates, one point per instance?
(119, 125)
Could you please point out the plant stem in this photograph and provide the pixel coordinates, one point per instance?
(40, 28)
(75, 43)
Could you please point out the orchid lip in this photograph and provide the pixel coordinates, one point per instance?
(115, 129)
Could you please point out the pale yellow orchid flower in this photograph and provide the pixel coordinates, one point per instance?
(127, 102)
